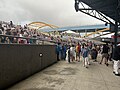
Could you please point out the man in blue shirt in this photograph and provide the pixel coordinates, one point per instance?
(58, 51)
(85, 53)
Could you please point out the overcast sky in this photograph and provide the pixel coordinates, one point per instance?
(57, 12)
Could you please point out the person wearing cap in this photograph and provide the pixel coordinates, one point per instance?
(116, 59)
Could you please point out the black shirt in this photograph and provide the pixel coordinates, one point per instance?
(105, 49)
(116, 53)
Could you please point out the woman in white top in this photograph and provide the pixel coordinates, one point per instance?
(72, 52)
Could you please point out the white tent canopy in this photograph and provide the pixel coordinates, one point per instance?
(70, 32)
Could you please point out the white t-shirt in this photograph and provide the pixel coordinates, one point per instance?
(72, 51)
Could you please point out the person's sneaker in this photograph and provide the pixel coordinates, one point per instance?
(107, 64)
(86, 67)
(114, 72)
(117, 74)
(100, 63)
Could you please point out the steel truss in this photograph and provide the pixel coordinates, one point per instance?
(80, 6)
(98, 15)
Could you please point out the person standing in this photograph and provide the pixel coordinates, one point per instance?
(94, 54)
(116, 60)
(78, 50)
(110, 52)
(85, 53)
(58, 51)
(63, 52)
(72, 53)
(105, 51)
(2, 29)
(68, 54)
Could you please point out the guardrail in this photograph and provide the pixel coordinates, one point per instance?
(36, 40)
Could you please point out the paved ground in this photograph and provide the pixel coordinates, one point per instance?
(73, 76)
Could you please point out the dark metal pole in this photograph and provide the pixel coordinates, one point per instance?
(76, 5)
(116, 26)
(116, 33)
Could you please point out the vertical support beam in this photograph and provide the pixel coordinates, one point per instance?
(76, 5)
(79, 35)
(85, 32)
(116, 25)
(95, 33)
(116, 33)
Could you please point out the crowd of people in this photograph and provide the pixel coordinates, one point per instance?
(11, 33)
(74, 52)
(86, 51)
(69, 50)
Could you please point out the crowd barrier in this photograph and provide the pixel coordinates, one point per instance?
(37, 40)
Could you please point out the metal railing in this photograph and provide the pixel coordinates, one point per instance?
(10, 39)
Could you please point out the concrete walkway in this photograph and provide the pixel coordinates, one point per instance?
(73, 76)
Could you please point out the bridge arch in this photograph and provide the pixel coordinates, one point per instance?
(39, 25)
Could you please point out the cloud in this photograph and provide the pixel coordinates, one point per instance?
(57, 12)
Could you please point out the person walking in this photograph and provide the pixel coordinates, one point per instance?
(63, 52)
(78, 50)
(85, 53)
(94, 54)
(58, 51)
(72, 53)
(105, 51)
(68, 54)
(116, 60)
